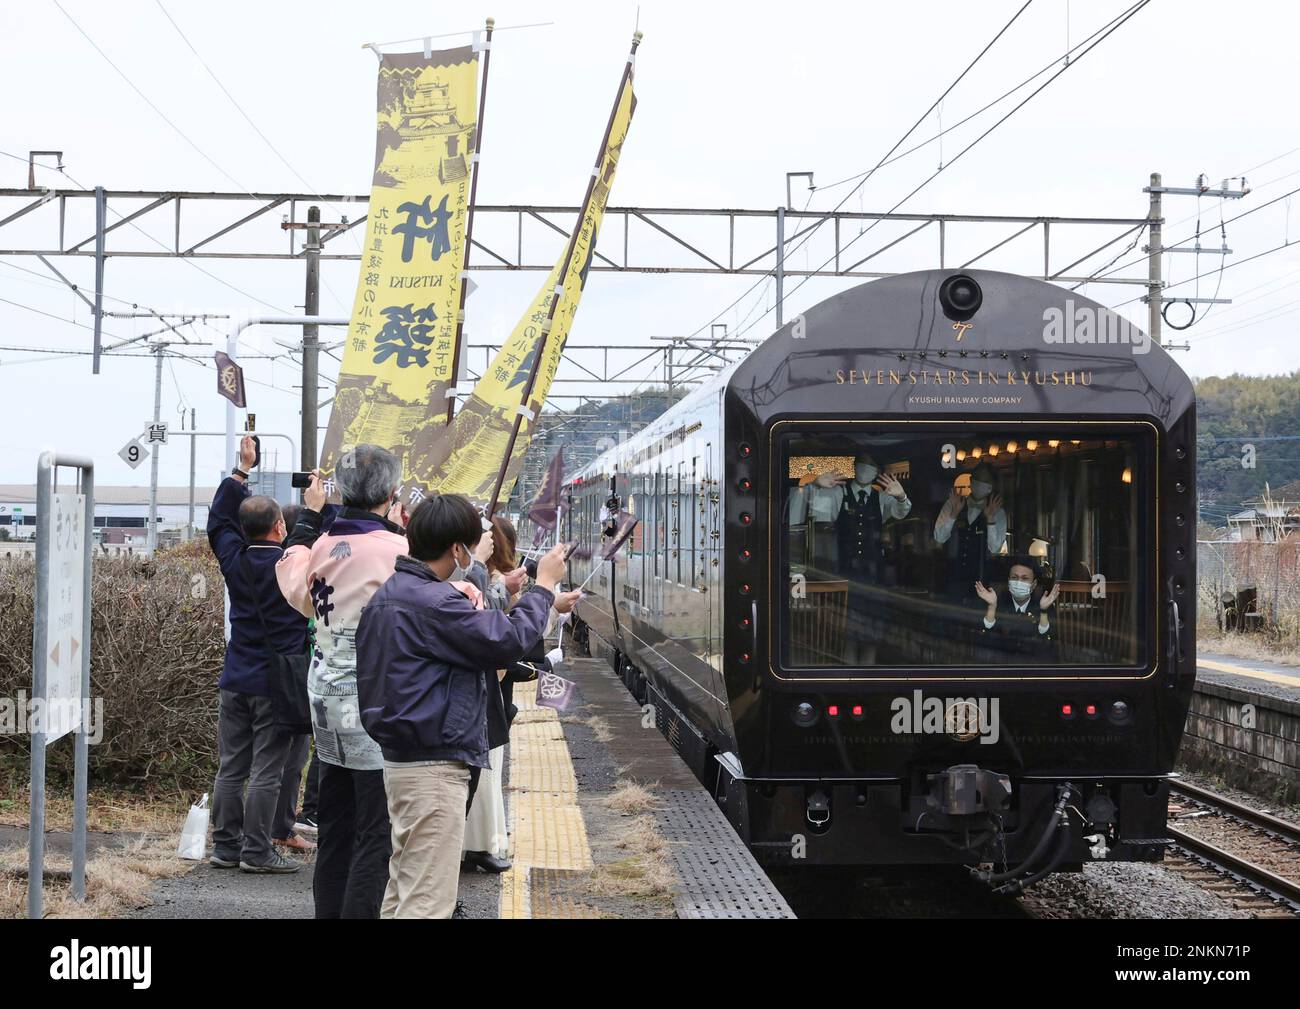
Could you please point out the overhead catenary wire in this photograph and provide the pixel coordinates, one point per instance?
(184, 259)
(1223, 269)
(867, 175)
(1116, 24)
(147, 100)
(256, 129)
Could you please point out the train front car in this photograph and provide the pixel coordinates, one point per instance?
(957, 580)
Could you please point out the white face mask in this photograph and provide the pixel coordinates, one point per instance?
(459, 573)
(1020, 589)
(979, 490)
(865, 473)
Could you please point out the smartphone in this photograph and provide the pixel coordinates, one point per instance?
(300, 480)
(257, 451)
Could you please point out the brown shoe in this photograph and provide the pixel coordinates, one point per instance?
(294, 843)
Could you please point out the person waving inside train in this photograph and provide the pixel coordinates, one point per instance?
(859, 508)
(1021, 611)
(980, 524)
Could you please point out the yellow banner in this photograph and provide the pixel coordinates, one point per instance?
(397, 361)
(480, 433)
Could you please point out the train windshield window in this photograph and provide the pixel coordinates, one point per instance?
(977, 547)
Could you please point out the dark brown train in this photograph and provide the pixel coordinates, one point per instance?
(914, 581)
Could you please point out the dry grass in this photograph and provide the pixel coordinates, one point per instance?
(1247, 646)
(630, 798)
(599, 727)
(645, 877)
(641, 835)
(646, 872)
(111, 810)
(116, 879)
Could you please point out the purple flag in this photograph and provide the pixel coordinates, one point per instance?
(230, 379)
(545, 509)
(554, 691)
(622, 531)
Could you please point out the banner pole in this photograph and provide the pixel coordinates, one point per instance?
(564, 272)
(469, 229)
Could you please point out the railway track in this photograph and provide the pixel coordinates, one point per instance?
(1196, 855)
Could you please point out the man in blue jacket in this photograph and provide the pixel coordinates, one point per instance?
(424, 642)
(245, 532)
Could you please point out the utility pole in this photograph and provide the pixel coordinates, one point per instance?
(311, 343)
(1154, 297)
(189, 525)
(780, 267)
(1154, 282)
(101, 206)
(151, 539)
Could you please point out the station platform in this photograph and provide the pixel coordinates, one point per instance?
(607, 821)
(1258, 675)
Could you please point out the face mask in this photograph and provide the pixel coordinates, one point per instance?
(458, 573)
(980, 490)
(1020, 588)
(865, 474)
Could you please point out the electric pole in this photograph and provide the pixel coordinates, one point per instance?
(151, 534)
(1154, 282)
(189, 525)
(1154, 297)
(311, 343)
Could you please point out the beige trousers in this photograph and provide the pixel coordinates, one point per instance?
(426, 804)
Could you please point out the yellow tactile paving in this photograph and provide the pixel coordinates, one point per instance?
(1254, 674)
(546, 825)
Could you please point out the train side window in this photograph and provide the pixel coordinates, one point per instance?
(678, 524)
(654, 523)
(693, 571)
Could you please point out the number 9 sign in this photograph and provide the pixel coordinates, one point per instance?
(133, 453)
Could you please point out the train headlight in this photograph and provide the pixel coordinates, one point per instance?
(960, 297)
(805, 715)
(1120, 713)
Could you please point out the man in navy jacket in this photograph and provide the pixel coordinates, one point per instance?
(245, 532)
(426, 647)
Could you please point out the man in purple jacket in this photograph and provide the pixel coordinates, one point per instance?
(424, 642)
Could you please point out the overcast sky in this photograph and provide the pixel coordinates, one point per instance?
(731, 97)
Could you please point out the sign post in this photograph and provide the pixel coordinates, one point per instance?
(60, 656)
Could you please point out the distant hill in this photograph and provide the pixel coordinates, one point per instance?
(1239, 417)
(596, 427)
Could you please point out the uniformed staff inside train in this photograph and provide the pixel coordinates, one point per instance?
(859, 509)
(979, 523)
(1021, 613)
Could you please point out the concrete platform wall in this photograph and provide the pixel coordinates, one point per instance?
(1250, 740)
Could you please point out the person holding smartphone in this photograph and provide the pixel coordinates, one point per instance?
(427, 646)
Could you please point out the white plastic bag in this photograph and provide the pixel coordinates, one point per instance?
(194, 835)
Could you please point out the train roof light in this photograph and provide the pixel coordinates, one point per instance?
(960, 297)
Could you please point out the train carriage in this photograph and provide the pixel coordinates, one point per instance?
(825, 530)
